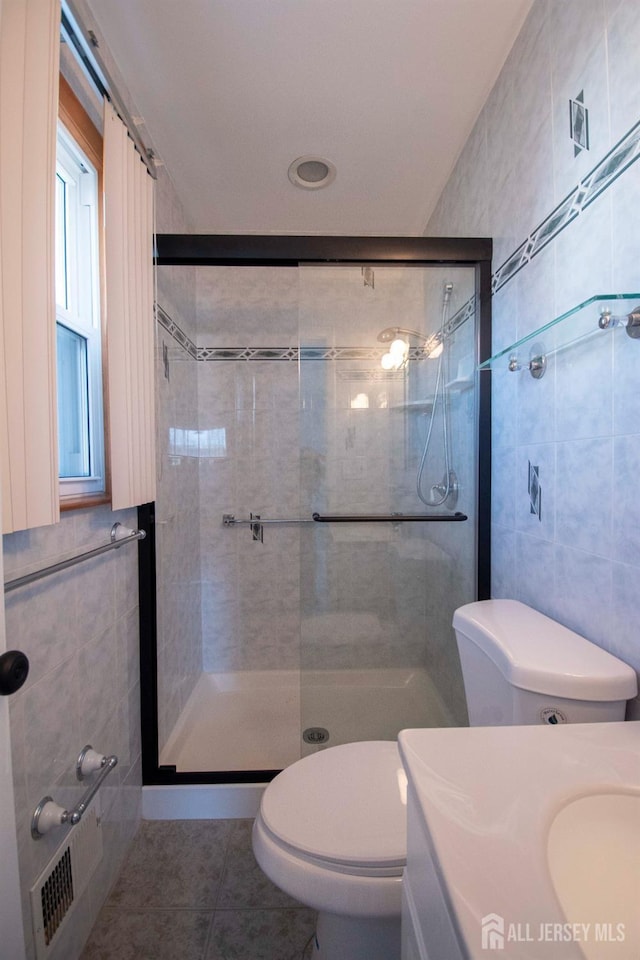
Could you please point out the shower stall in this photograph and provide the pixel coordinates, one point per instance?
(322, 507)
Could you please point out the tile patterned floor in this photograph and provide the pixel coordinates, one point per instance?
(192, 890)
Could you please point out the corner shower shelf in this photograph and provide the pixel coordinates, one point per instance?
(415, 406)
(594, 317)
(459, 385)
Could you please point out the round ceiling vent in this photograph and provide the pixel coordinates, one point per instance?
(311, 173)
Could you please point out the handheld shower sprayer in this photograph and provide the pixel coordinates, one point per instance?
(433, 346)
(447, 490)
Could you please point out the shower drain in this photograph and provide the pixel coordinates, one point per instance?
(315, 735)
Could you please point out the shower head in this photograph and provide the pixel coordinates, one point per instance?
(388, 334)
(394, 333)
(399, 348)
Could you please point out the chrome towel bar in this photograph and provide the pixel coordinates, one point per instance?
(257, 523)
(391, 518)
(49, 814)
(119, 536)
(229, 520)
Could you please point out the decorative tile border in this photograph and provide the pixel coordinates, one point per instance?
(589, 189)
(298, 353)
(248, 353)
(294, 354)
(176, 332)
(466, 312)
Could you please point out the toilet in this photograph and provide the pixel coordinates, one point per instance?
(331, 830)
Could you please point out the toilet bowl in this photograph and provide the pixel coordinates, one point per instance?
(331, 830)
(343, 859)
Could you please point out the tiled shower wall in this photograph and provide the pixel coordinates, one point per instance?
(440, 558)
(381, 596)
(249, 424)
(579, 425)
(253, 421)
(178, 591)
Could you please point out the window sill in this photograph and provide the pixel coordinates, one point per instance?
(75, 502)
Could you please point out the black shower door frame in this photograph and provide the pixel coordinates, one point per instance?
(293, 251)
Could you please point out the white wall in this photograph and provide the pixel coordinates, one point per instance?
(581, 423)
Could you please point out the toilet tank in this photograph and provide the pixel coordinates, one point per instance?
(521, 667)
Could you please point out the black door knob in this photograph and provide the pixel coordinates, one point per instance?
(14, 670)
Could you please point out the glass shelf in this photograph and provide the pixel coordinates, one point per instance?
(574, 326)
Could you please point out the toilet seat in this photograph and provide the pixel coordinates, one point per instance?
(331, 830)
(343, 808)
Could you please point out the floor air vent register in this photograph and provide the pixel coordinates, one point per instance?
(64, 880)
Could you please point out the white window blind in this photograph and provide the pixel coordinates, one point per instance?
(128, 190)
(29, 48)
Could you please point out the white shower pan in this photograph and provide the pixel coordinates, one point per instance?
(254, 720)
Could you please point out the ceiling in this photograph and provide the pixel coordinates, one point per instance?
(232, 91)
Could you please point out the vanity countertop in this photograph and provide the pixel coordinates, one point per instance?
(487, 798)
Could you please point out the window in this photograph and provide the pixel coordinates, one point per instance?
(78, 333)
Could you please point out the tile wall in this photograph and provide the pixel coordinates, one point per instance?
(248, 410)
(578, 561)
(177, 533)
(440, 558)
(79, 629)
(177, 499)
(368, 436)
(255, 416)
(353, 420)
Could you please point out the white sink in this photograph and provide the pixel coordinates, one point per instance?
(531, 836)
(593, 851)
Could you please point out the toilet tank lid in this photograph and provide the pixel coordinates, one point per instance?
(538, 654)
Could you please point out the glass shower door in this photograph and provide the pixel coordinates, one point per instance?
(388, 425)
